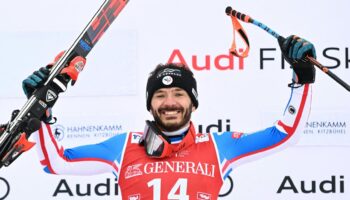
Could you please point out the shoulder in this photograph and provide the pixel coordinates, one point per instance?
(135, 137)
(202, 137)
(227, 136)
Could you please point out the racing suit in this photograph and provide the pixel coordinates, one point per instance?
(197, 171)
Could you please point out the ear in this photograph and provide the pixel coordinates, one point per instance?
(194, 108)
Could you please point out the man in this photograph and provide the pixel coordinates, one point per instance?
(170, 160)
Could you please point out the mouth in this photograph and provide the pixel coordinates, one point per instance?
(169, 113)
(171, 118)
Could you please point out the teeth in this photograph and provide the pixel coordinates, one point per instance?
(170, 112)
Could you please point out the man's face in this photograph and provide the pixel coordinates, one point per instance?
(171, 108)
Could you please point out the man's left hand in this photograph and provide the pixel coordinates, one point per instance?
(295, 50)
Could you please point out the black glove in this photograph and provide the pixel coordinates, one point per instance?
(38, 78)
(295, 50)
(35, 81)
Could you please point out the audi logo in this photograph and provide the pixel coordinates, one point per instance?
(4, 188)
(229, 189)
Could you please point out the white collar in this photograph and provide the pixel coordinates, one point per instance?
(178, 132)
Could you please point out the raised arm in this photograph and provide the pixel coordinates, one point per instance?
(82, 160)
(235, 148)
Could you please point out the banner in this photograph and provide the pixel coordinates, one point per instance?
(235, 94)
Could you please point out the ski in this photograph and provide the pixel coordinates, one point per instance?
(14, 135)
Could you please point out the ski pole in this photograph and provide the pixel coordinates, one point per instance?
(245, 18)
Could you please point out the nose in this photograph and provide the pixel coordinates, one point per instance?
(169, 101)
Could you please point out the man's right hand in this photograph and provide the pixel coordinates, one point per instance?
(35, 80)
(38, 78)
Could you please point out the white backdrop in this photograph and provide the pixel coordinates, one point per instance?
(110, 93)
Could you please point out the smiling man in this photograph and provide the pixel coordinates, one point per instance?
(171, 96)
(170, 160)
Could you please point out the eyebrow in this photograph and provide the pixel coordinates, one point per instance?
(177, 89)
(159, 91)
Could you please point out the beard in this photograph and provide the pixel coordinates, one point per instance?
(168, 126)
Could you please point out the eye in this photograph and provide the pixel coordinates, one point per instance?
(179, 94)
(158, 96)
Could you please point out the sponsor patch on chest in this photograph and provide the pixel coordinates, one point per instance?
(133, 170)
(203, 196)
(134, 197)
(135, 137)
(202, 137)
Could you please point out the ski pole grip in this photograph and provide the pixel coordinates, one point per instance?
(280, 40)
(231, 12)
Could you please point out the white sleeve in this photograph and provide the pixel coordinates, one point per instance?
(82, 160)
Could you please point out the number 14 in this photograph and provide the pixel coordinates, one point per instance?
(181, 185)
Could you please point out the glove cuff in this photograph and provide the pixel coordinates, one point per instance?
(304, 72)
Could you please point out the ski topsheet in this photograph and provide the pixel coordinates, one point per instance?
(13, 140)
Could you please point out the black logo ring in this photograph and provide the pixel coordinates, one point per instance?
(230, 189)
(7, 190)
